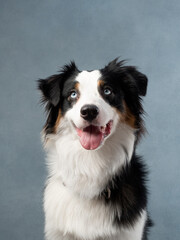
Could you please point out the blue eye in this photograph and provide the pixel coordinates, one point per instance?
(107, 91)
(73, 95)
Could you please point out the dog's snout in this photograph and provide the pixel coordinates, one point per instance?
(89, 112)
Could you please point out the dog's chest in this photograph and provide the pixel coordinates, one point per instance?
(80, 217)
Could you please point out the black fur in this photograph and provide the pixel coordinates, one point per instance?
(134, 78)
(128, 192)
(53, 95)
(129, 85)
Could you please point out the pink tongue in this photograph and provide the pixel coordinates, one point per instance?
(90, 137)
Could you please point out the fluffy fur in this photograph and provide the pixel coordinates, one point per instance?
(96, 185)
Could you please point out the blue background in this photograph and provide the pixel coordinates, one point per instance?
(39, 36)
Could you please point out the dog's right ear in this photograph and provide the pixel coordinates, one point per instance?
(50, 88)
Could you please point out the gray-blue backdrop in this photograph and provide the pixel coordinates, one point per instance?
(39, 36)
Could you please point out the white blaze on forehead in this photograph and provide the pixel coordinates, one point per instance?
(88, 83)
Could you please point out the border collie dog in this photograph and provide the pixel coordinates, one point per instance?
(96, 186)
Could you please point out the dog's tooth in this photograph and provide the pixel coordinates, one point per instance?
(103, 129)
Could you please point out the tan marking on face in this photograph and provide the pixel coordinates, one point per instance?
(100, 83)
(76, 86)
(127, 117)
(57, 121)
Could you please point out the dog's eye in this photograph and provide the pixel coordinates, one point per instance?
(107, 91)
(73, 95)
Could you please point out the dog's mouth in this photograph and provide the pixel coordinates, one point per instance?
(91, 137)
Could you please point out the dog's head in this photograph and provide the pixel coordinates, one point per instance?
(93, 103)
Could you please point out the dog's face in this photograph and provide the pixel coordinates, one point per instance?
(91, 114)
(94, 103)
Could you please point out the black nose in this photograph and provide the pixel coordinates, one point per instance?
(89, 112)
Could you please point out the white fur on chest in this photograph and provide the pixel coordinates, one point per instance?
(70, 217)
(71, 214)
(76, 178)
(88, 172)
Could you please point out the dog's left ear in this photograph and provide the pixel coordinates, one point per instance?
(50, 88)
(140, 79)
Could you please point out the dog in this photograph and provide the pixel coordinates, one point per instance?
(96, 186)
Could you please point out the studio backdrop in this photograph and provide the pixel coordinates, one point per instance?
(37, 37)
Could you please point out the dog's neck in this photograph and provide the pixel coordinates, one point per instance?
(87, 172)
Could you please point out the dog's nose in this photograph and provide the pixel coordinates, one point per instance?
(89, 112)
